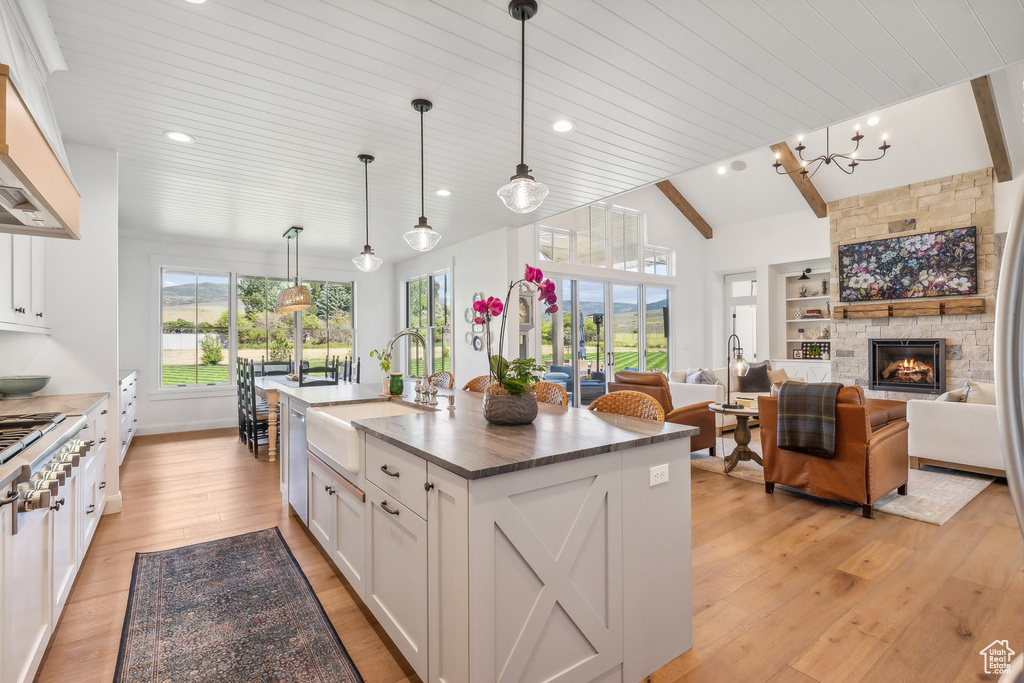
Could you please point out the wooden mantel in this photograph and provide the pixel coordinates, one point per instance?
(910, 307)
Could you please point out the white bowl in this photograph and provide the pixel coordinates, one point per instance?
(22, 386)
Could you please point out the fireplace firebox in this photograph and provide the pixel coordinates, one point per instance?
(915, 365)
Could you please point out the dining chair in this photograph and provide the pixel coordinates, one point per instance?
(329, 370)
(477, 384)
(630, 404)
(269, 368)
(257, 412)
(549, 392)
(442, 380)
(240, 398)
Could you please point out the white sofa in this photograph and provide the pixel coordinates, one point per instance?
(684, 394)
(949, 433)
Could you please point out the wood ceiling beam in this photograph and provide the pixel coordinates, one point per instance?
(685, 208)
(986, 102)
(790, 163)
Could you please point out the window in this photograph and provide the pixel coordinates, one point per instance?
(656, 261)
(429, 312)
(625, 239)
(194, 319)
(554, 245)
(604, 237)
(327, 329)
(262, 333)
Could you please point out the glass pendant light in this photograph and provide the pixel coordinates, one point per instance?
(296, 297)
(366, 261)
(523, 194)
(422, 237)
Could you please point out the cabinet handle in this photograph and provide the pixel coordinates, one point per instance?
(124, 412)
(13, 496)
(427, 486)
(104, 412)
(385, 470)
(91, 509)
(385, 508)
(39, 315)
(56, 505)
(123, 443)
(102, 485)
(19, 309)
(103, 440)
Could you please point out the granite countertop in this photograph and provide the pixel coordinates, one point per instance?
(343, 392)
(69, 404)
(463, 442)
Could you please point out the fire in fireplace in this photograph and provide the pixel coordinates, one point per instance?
(914, 365)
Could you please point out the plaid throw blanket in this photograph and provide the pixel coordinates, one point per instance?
(807, 418)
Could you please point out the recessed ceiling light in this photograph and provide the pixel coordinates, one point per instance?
(738, 165)
(444, 193)
(196, 2)
(721, 170)
(873, 121)
(178, 136)
(562, 126)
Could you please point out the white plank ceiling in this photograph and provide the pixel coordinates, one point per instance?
(282, 95)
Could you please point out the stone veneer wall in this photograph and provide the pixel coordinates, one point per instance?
(952, 202)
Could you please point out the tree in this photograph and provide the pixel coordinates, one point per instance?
(211, 348)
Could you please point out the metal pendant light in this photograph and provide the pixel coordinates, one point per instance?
(296, 297)
(366, 261)
(523, 194)
(422, 237)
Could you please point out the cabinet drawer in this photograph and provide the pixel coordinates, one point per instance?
(399, 474)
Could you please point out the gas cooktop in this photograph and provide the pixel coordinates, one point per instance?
(18, 431)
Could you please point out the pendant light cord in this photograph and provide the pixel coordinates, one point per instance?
(288, 267)
(522, 95)
(296, 260)
(366, 185)
(422, 205)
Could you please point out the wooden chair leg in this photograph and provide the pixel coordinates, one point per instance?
(902, 490)
(769, 487)
(867, 511)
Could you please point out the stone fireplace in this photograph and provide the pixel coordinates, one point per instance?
(914, 365)
(952, 202)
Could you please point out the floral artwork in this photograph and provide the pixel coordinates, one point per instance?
(926, 264)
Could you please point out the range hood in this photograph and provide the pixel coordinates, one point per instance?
(36, 195)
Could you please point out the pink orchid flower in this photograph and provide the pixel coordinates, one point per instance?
(494, 306)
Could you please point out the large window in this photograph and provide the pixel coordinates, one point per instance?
(604, 237)
(194, 320)
(327, 330)
(429, 312)
(263, 333)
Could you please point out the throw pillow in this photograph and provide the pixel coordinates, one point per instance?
(756, 379)
(700, 376)
(597, 376)
(678, 376)
(982, 393)
(777, 376)
(557, 376)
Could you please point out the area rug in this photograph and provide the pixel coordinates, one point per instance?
(235, 609)
(933, 495)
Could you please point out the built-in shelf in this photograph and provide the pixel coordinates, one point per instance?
(808, 298)
(807, 339)
(804, 320)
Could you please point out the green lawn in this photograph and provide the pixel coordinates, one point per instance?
(177, 375)
(656, 360)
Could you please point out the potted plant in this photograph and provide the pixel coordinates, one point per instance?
(510, 399)
(389, 377)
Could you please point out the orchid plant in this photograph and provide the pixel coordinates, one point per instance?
(519, 375)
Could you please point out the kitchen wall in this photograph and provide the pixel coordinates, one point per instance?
(207, 408)
(81, 353)
(478, 265)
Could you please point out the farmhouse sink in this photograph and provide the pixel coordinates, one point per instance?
(330, 434)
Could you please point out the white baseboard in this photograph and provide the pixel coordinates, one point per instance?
(190, 426)
(113, 504)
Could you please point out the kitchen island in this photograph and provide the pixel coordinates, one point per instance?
(541, 552)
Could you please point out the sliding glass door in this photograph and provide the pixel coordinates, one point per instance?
(599, 330)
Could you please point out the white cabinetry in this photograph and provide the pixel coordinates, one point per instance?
(23, 284)
(447, 575)
(26, 594)
(129, 387)
(93, 498)
(64, 540)
(337, 520)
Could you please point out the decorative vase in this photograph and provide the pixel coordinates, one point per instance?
(396, 384)
(509, 409)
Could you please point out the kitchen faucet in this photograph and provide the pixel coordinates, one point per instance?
(421, 383)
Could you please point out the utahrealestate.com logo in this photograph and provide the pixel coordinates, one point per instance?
(998, 656)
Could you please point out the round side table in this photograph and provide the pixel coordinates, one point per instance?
(741, 434)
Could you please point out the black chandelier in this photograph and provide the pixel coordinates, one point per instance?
(808, 167)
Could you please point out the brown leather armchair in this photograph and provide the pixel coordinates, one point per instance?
(868, 464)
(656, 384)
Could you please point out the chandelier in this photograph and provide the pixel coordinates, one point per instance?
(296, 297)
(808, 167)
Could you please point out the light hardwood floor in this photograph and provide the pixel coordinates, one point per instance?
(786, 588)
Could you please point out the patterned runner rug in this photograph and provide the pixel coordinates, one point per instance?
(235, 609)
